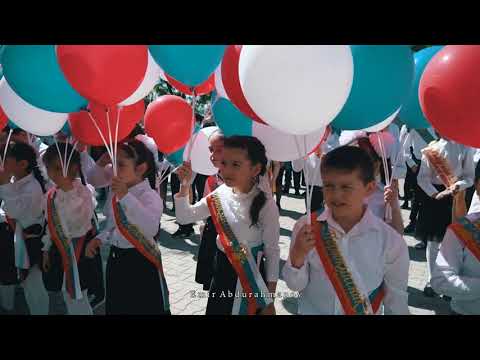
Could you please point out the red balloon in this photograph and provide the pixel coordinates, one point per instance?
(105, 74)
(85, 131)
(207, 87)
(449, 93)
(231, 82)
(3, 119)
(169, 121)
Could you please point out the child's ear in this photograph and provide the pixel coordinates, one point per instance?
(371, 186)
(257, 169)
(141, 169)
(23, 164)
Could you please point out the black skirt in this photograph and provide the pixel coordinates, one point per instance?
(224, 282)
(206, 255)
(434, 216)
(53, 279)
(132, 285)
(8, 271)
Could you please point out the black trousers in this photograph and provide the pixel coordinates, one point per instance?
(198, 187)
(469, 195)
(296, 179)
(410, 184)
(8, 271)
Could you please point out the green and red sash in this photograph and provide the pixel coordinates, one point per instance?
(468, 233)
(212, 184)
(70, 255)
(240, 258)
(147, 248)
(441, 166)
(339, 274)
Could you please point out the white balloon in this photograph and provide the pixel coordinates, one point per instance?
(382, 125)
(152, 77)
(200, 154)
(219, 83)
(28, 117)
(296, 88)
(281, 146)
(349, 136)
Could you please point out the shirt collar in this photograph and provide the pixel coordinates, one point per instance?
(24, 180)
(140, 187)
(367, 223)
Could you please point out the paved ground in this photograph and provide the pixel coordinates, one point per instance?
(188, 298)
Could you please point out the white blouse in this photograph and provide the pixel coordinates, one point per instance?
(374, 253)
(457, 274)
(267, 232)
(76, 210)
(23, 201)
(143, 207)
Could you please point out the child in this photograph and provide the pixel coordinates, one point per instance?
(457, 266)
(135, 282)
(348, 261)
(247, 222)
(23, 207)
(69, 212)
(446, 168)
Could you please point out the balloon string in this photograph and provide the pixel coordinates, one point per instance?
(194, 135)
(101, 135)
(388, 209)
(316, 173)
(70, 157)
(305, 171)
(6, 148)
(116, 138)
(114, 160)
(162, 179)
(65, 160)
(60, 156)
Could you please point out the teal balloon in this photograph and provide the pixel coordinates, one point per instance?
(189, 64)
(66, 129)
(411, 113)
(35, 75)
(231, 120)
(12, 125)
(176, 158)
(382, 81)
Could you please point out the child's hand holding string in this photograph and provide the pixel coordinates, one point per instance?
(184, 174)
(304, 242)
(119, 188)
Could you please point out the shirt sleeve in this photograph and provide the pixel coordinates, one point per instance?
(446, 276)
(86, 162)
(468, 170)
(396, 276)
(145, 212)
(271, 238)
(296, 279)
(424, 178)
(187, 214)
(20, 203)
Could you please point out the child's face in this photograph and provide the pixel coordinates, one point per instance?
(345, 192)
(236, 169)
(15, 168)
(216, 150)
(21, 137)
(55, 173)
(127, 170)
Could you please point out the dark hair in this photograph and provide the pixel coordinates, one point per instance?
(137, 150)
(17, 131)
(21, 151)
(51, 155)
(366, 145)
(349, 159)
(256, 153)
(137, 130)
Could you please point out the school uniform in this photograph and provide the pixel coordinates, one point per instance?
(8, 271)
(258, 246)
(69, 217)
(435, 215)
(134, 285)
(457, 266)
(23, 200)
(377, 259)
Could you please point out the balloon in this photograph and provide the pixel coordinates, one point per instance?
(169, 121)
(231, 82)
(3, 118)
(449, 90)
(66, 129)
(28, 117)
(176, 158)
(382, 125)
(382, 82)
(106, 74)
(411, 113)
(220, 89)
(152, 78)
(204, 88)
(190, 64)
(85, 131)
(230, 119)
(200, 153)
(297, 89)
(34, 74)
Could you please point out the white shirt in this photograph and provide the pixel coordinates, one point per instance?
(460, 159)
(374, 253)
(23, 201)
(403, 133)
(395, 131)
(457, 274)
(376, 201)
(267, 232)
(75, 209)
(417, 143)
(143, 207)
(475, 205)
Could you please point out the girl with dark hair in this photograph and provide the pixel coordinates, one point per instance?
(135, 282)
(246, 266)
(69, 212)
(23, 207)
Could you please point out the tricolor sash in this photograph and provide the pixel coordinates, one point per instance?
(212, 184)
(468, 233)
(22, 260)
(352, 301)
(441, 166)
(147, 248)
(241, 258)
(69, 252)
